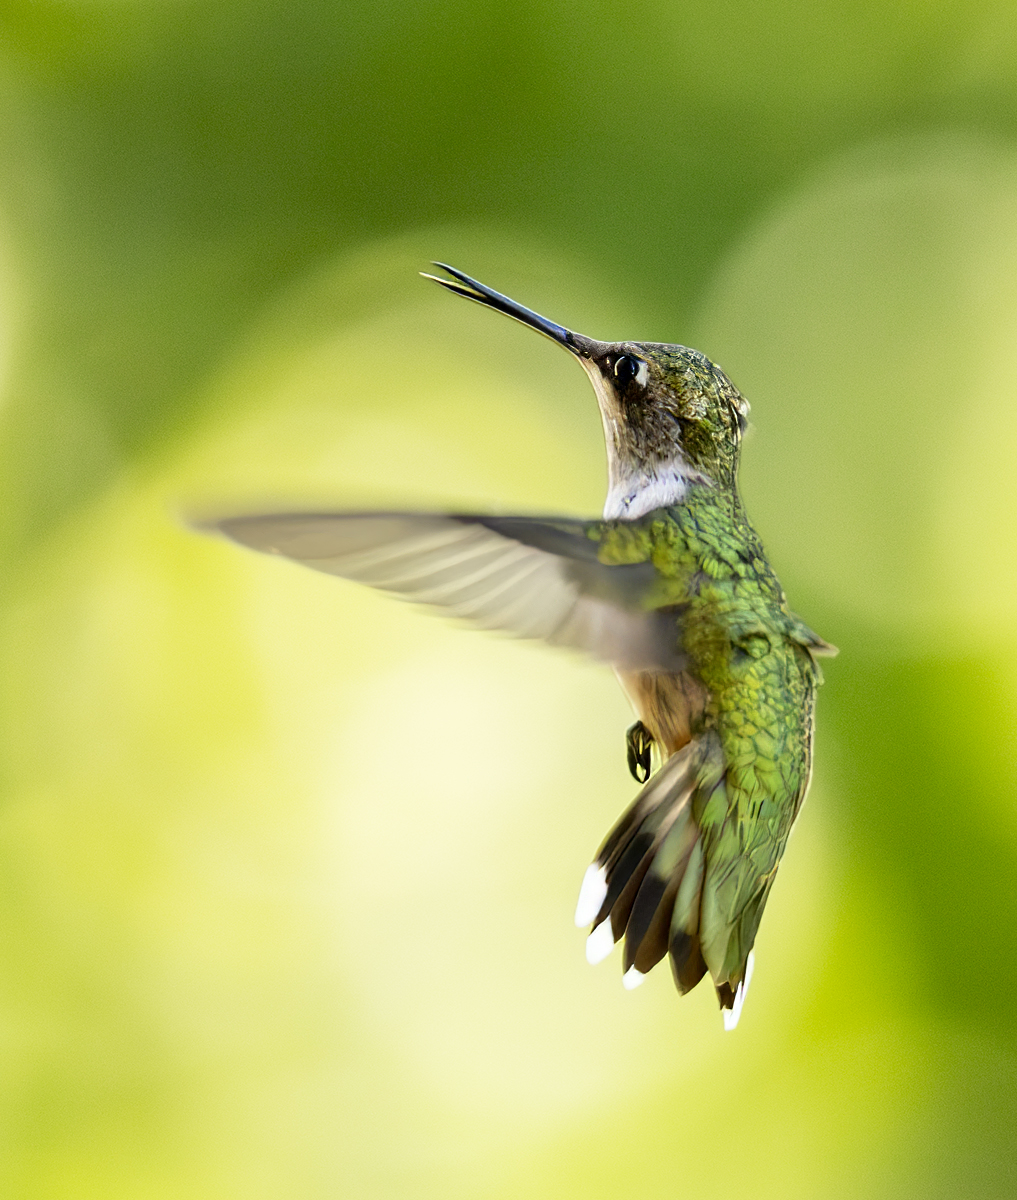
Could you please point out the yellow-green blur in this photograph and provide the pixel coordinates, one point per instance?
(287, 869)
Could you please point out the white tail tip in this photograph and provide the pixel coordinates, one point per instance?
(591, 895)
(600, 943)
(731, 1015)
(632, 978)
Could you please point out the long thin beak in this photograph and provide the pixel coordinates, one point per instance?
(463, 285)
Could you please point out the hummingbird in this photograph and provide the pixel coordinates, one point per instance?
(672, 588)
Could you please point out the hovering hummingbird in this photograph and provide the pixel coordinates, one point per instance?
(673, 589)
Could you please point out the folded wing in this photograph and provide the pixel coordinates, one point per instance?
(526, 576)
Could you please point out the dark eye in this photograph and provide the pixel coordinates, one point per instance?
(626, 369)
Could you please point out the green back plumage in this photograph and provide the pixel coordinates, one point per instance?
(756, 660)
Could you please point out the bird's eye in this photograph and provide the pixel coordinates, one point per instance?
(626, 369)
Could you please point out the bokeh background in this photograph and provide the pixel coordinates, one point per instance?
(287, 869)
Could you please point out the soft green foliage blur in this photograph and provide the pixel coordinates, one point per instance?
(287, 869)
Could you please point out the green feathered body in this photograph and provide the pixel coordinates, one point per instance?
(751, 715)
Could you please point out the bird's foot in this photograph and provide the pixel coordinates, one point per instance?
(638, 746)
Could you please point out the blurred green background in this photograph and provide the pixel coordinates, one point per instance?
(287, 869)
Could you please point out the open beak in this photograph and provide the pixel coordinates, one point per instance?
(463, 285)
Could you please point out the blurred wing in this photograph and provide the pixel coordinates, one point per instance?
(529, 577)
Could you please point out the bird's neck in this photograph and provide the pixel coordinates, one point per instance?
(634, 491)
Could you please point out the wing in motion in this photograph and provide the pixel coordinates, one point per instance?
(530, 577)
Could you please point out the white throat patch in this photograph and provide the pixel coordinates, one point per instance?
(635, 494)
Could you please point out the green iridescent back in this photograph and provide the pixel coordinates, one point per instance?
(755, 658)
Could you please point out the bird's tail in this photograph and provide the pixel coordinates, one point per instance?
(646, 882)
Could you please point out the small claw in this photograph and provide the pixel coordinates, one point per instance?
(638, 747)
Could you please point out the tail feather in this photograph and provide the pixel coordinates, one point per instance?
(645, 947)
(651, 865)
(649, 923)
(624, 877)
(687, 964)
(651, 883)
(731, 1002)
(743, 934)
(629, 848)
(726, 995)
(649, 800)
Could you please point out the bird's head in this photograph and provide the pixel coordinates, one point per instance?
(671, 417)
